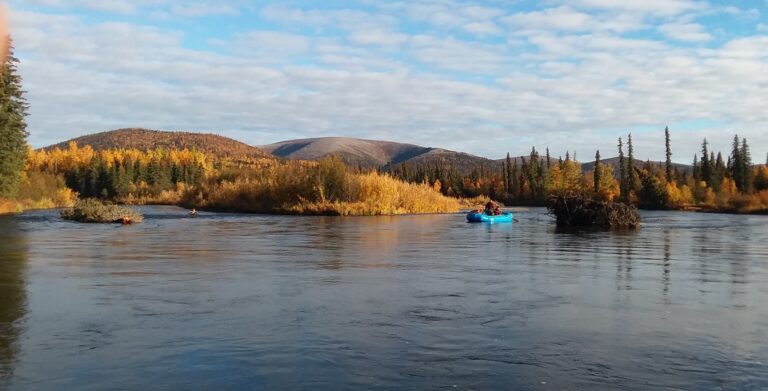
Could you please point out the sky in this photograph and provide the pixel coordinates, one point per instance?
(483, 77)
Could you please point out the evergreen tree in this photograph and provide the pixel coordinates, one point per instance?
(706, 164)
(514, 182)
(668, 163)
(623, 190)
(696, 168)
(718, 171)
(597, 172)
(509, 180)
(747, 162)
(13, 127)
(741, 165)
(652, 193)
(736, 165)
(633, 182)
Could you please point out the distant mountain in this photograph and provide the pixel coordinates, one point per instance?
(374, 153)
(351, 150)
(144, 139)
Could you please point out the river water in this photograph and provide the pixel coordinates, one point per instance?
(413, 302)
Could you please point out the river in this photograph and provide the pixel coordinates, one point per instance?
(227, 301)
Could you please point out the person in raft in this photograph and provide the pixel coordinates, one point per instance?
(491, 209)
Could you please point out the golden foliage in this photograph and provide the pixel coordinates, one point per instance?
(9, 206)
(566, 178)
(679, 197)
(324, 188)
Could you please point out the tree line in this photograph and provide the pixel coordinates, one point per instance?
(714, 182)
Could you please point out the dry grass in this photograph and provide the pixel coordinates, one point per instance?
(326, 189)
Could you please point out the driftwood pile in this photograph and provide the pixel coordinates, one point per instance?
(583, 212)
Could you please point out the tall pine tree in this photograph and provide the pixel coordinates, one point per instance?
(13, 127)
(623, 188)
(633, 182)
(748, 174)
(706, 164)
(597, 172)
(668, 164)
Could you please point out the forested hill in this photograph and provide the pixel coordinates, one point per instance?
(144, 139)
(367, 153)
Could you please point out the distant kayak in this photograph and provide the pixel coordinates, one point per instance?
(475, 217)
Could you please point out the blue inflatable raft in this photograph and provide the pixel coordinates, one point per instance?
(475, 217)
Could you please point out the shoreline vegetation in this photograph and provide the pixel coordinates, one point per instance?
(57, 178)
(193, 179)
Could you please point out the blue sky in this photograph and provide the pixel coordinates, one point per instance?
(485, 77)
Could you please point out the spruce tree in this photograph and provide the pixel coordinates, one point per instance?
(718, 173)
(597, 172)
(623, 191)
(706, 164)
(696, 168)
(668, 165)
(508, 178)
(13, 127)
(633, 182)
(747, 169)
(735, 159)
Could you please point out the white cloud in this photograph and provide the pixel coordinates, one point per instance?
(561, 84)
(346, 19)
(196, 10)
(270, 45)
(649, 7)
(378, 37)
(560, 18)
(482, 28)
(455, 55)
(688, 32)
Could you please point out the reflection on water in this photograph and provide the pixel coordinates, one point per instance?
(411, 302)
(12, 292)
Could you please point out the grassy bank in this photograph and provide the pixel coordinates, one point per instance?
(325, 188)
(39, 190)
(360, 195)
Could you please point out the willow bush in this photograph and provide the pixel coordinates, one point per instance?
(324, 188)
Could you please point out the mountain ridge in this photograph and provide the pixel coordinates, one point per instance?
(353, 151)
(147, 139)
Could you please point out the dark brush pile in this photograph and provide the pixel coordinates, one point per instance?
(585, 212)
(94, 211)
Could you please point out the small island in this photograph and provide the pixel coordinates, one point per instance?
(94, 211)
(576, 211)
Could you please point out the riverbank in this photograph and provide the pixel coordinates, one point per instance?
(19, 206)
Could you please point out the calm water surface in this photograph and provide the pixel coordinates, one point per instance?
(414, 302)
